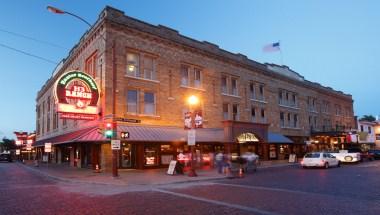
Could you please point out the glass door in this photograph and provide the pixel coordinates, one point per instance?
(127, 158)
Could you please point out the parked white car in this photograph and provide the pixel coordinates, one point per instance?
(319, 159)
(348, 157)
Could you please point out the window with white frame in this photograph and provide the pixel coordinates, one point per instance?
(225, 111)
(197, 78)
(149, 103)
(252, 90)
(263, 115)
(253, 114)
(261, 92)
(185, 75)
(235, 112)
(282, 119)
(132, 101)
(234, 86)
(133, 64)
(149, 68)
(295, 121)
(224, 85)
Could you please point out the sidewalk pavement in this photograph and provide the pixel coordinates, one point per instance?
(132, 177)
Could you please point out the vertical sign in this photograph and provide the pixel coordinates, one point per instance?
(47, 147)
(188, 122)
(191, 137)
(198, 119)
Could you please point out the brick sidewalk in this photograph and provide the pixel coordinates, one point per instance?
(131, 176)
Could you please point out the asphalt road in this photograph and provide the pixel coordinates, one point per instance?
(351, 189)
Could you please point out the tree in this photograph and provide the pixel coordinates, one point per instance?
(368, 118)
(8, 144)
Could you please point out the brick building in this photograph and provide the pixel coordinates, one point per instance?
(146, 73)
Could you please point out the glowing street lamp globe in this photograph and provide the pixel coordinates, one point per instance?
(193, 100)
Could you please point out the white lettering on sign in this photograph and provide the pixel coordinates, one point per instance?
(78, 92)
(47, 147)
(115, 144)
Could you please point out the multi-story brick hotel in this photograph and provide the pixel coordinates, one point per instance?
(139, 77)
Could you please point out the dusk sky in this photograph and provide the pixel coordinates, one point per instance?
(334, 43)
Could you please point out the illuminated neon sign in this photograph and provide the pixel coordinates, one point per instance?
(77, 96)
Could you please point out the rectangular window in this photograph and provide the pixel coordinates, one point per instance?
(282, 119)
(197, 78)
(289, 119)
(133, 63)
(252, 91)
(280, 98)
(261, 90)
(149, 104)
(294, 99)
(235, 112)
(224, 85)
(149, 70)
(369, 130)
(225, 112)
(132, 101)
(48, 122)
(361, 128)
(48, 104)
(185, 75)
(253, 114)
(234, 86)
(90, 65)
(295, 121)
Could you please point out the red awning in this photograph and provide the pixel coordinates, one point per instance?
(74, 136)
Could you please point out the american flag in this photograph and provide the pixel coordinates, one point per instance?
(273, 47)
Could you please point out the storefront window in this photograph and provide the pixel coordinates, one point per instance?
(166, 154)
(126, 155)
(150, 156)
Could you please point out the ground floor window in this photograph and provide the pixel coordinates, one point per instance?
(126, 155)
(150, 155)
(167, 152)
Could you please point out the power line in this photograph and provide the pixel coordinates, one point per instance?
(29, 54)
(33, 39)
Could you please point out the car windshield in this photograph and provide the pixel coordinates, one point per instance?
(312, 155)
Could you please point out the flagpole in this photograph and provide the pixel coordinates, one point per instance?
(281, 58)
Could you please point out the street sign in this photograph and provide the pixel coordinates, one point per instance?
(29, 147)
(124, 135)
(47, 147)
(115, 144)
(17, 151)
(191, 137)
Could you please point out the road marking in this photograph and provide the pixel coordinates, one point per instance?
(268, 188)
(240, 207)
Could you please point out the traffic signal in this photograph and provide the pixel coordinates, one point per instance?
(109, 130)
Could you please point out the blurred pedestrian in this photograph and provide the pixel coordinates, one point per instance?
(219, 162)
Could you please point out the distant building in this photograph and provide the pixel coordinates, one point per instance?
(143, 76)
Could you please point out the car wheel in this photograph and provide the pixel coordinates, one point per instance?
(326, 165)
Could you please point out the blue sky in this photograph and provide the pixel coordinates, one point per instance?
(334, 43)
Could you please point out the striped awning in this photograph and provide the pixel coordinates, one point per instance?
(137, 133)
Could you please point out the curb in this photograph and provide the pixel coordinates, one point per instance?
(62, 179)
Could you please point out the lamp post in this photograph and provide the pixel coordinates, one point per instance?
(114, 152)
(192, 100)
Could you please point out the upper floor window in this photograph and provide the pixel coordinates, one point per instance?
(90, 65)
(185, 75)
(234, 86)
(133, 65)
(149, 103)
(235, 112)
(224, 85)
(325, 106)
(132, 101)
(338, 110)
(282, 119)
(361, 128)
(369, 130)
(295, 120)
(261, 92)
(253, 114)
(48, 104)
(149, 68)
(225, 111)
(197, 78)
(290, 98)
(38, 111)
(252, 91)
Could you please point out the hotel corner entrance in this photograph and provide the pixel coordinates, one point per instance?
(127, 156)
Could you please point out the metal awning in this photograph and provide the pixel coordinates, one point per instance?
(276, 138)
(137, 133)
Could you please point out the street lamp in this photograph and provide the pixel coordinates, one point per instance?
(192, 100)
(114, 152)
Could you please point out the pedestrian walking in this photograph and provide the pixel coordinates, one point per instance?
(219, 162)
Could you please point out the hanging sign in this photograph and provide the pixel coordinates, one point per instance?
(47, 147)
(191, 137)
(77, 96)
(198, 119)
